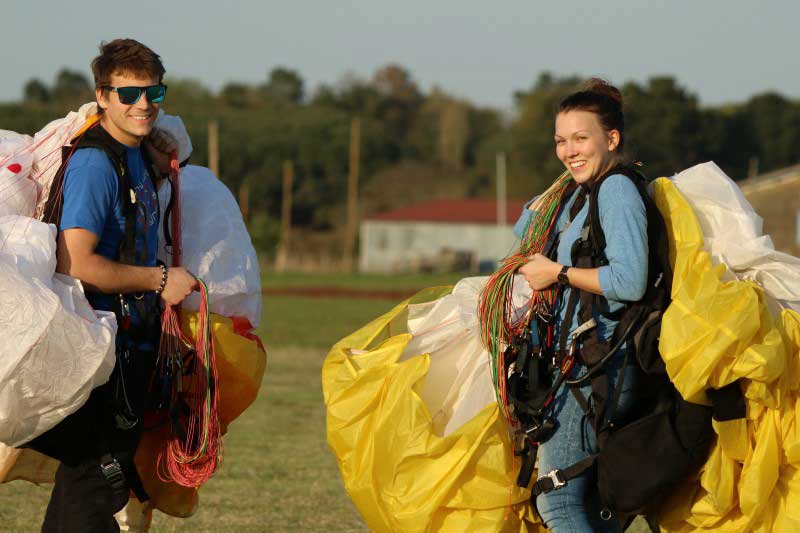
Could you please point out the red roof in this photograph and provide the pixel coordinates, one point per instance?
(474, 210)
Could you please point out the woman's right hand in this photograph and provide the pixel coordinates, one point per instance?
(540, 272)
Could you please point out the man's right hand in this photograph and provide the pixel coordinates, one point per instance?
(180, 284)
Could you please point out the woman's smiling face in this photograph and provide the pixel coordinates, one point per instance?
(585, 148)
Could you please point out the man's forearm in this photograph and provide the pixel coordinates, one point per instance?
(100, 274)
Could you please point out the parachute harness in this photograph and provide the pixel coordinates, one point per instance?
(500, 324)
(186, 373)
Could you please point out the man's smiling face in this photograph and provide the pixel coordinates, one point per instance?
(130, 123)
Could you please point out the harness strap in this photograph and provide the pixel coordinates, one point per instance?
(118, 468)
(555, 479)
(528, 464)
(113, 473)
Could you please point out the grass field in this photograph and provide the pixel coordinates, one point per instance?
(278, 474)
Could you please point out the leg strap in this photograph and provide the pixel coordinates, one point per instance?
(555, 479)
(122, 480)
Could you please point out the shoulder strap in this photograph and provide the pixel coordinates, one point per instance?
(97, 137)
(598, 238)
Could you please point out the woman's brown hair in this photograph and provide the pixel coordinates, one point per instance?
(602, 99)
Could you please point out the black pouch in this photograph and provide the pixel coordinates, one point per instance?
(643, 460)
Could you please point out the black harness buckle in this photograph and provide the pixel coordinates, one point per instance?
(112, 471)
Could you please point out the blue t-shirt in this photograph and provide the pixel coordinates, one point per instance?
(92, 202)
(624, 221)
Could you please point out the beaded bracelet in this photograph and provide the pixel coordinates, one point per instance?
(164, 271)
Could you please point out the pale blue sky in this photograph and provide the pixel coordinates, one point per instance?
(721, 50)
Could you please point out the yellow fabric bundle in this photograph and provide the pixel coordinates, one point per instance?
(403, 476)
(714, 333)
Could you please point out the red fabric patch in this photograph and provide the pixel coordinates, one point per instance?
(15, 168)
(243, 327)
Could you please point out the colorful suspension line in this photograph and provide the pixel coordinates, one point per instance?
(186, 372)
(500, 321)
(194, 448)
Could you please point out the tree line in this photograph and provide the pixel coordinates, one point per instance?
(418, 145)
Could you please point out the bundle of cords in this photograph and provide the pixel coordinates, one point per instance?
(500, 322)
(194, 447)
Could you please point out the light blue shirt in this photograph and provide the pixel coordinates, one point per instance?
(624, 221)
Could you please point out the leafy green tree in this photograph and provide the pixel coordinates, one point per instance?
(532, 164)
(775, 121)
(72, 86)
(419, 145)
(284, 86)
(398, 103)
(35, 91)
(241, 95)
(664, 126)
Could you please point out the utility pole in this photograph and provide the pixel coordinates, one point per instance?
(244, 199)
(352, 194)
(286, 217)
(752, 167)
(501, 189)
(213, 147)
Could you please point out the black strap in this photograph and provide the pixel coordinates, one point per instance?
(118, 468)
(528, 464)
(123, 477)
(728, 402)
(556, 479)
(113, 473)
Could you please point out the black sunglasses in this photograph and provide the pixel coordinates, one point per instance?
(130, 95)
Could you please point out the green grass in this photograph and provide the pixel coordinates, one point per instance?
(360, 281)
(316, 322)
(279, 474)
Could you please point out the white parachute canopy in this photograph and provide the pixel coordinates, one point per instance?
(734, 234)
(216, 245)
(55, 348)
(38, 158)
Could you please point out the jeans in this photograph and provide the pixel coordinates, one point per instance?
(575, 507)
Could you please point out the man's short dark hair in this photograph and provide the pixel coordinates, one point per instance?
(125, 57)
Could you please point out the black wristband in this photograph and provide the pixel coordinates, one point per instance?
(562, 276)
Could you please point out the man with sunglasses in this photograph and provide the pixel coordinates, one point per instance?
(108, 220)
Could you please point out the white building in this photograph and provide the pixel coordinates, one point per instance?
(432, 234)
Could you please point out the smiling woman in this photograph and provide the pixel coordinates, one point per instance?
(589, 128)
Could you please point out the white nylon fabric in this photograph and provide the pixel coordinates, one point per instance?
(174, 125)
(734, 236)
(46, 149)
(459, 381)
(216, 245)
(55, 348)
(17, 191)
